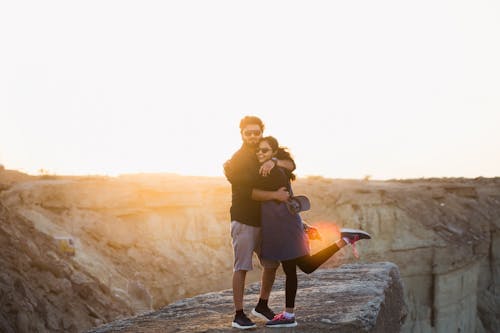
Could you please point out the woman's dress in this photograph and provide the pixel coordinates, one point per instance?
(283, 236)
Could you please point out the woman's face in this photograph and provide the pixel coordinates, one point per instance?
(264, 152)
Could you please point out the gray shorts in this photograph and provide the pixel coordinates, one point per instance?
(247, 240)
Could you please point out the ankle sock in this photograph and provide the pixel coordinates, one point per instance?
(262, 304)
(239, 313)
(288, 315)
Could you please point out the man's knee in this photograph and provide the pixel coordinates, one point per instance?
(240, 272)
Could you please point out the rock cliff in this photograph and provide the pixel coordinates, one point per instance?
(443, 235)
(352, 298)
(144, 241)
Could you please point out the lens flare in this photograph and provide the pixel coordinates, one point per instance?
(329, 232)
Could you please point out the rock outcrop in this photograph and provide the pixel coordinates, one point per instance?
(145, 241)
(442, 234)
(351, 298)
(42, 290)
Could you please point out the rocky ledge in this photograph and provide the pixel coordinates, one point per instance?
(351, 298)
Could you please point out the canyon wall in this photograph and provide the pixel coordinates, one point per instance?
(443, 235)
(144, 241)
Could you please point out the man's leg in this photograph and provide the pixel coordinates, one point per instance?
(238, 289)
(243, 245)
(243, 240)
(240, 320)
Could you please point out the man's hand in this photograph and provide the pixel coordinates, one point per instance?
(282, 194)
(266, 167)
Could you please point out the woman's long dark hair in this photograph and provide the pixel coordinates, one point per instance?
(282, 152)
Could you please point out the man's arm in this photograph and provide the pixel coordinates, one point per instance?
(285, 160)
(287, 164)
(267, 166)
(238, 171)
(261, 195)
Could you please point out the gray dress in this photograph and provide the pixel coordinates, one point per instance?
(283, 236)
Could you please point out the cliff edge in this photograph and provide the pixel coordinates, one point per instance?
(351, 298)
(141, 242)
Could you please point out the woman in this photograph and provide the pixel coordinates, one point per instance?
(283, 235)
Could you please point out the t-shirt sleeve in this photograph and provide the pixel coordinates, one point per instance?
(241, 171)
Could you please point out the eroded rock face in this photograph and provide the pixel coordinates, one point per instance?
(149, 240)
(130, 233)
(42, 290)
(442, 233)
(138, 247)
(351, 298)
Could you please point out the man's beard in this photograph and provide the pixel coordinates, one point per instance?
(251, 144)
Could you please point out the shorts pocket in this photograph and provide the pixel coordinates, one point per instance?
(235, 228)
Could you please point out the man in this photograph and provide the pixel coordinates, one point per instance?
(242, 171)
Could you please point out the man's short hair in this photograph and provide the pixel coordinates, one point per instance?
(251, 120)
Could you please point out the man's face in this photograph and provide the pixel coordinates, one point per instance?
(251, 135)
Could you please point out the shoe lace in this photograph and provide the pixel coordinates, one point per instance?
(352, 241)
(355, 251)
(279, 316)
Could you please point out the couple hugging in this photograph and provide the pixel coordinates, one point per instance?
(263, 222)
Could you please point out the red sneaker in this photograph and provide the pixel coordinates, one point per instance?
(280, 320)
(351, 236)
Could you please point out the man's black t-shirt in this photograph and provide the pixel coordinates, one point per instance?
(242, 171)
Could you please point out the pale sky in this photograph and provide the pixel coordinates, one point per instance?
(390, 89)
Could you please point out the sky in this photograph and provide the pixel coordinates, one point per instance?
(384, 89)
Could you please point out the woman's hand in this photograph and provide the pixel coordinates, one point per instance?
(312, 232)
(266, 167)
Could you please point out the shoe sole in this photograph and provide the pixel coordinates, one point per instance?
(283, 325)
(259, 315)
(363, 234)
(236, 325)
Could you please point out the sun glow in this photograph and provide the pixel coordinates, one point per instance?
(329, 233)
